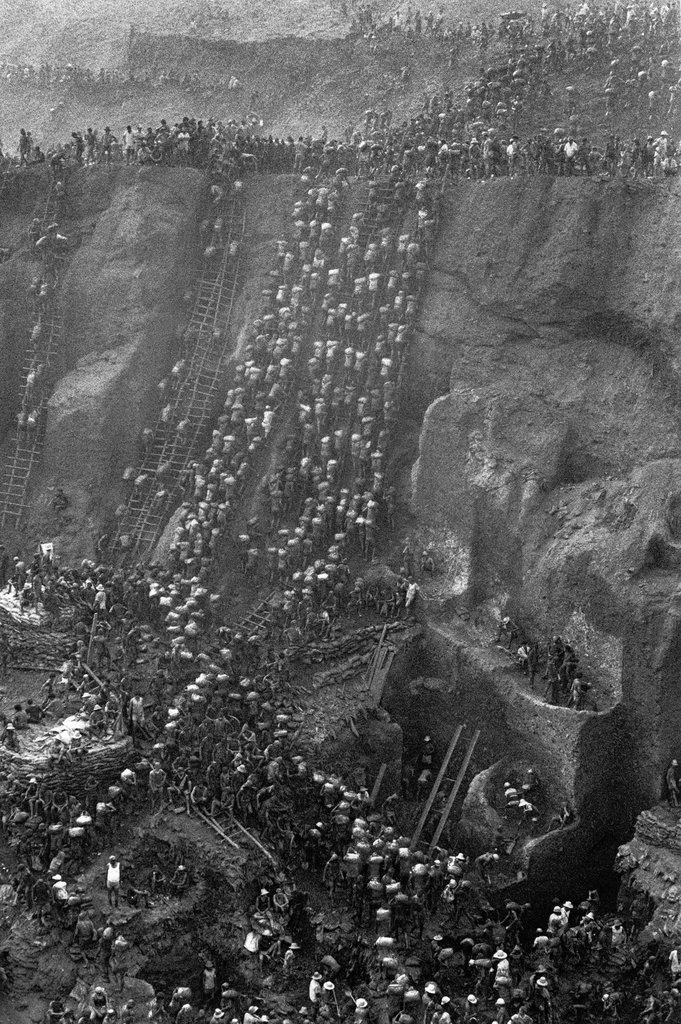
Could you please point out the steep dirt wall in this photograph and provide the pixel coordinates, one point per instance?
(123, 302)
(548, 470)
(17, 205)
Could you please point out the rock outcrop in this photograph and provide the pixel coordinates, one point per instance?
(650, 868)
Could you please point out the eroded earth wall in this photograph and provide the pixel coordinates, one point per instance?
(548, 469)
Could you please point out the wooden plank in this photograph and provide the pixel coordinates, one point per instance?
(92, 637)
(379, 680)
(436, 786)
(375, 659)
(457, 786)
(377, 783)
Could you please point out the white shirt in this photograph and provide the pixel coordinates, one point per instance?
(315, 991)
(113, 874)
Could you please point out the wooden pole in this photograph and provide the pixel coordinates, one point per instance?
(92, 636)
(457, 786)
(373, 664)
(255, 841)
(92, 675)
(377, 783)
(381, 674)
(436, 786)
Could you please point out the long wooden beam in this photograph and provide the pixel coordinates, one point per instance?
(92, 675)
(377, 783)
(436, 786)
(455, 789)
(92, 637)
(375, 659)
(255, 841)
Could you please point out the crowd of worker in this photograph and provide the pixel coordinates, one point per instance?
(476, 141)
(50, 76)
(212, 729)
(207, 707)
(477, 138)
(426, 936)
(365, 288)
(481, 153)
(326, 497)
(562, 671)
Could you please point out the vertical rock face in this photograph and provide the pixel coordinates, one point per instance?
(122, 303)
(549, 469)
